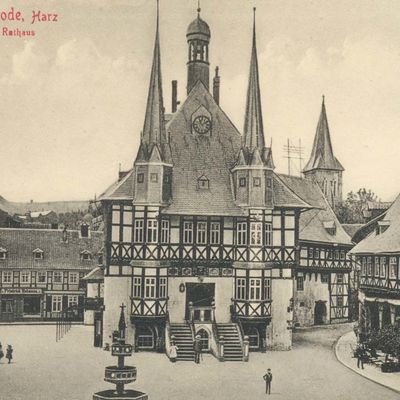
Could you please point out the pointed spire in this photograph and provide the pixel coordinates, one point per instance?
(253, 122)
(154, 124)
(322, 156)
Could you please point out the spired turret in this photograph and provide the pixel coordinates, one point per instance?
(252, 174)
(120, 374)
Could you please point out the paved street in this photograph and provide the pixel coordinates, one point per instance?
(72, 370)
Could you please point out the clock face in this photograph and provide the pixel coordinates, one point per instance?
(202, 124)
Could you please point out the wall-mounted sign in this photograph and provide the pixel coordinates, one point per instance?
(20, 291)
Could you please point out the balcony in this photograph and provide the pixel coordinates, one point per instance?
(144, 307)
(251, 309)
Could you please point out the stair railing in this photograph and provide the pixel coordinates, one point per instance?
(190, 320)
(168, 336)
(244, 340)
(217, 350)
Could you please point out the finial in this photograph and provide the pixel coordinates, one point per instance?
(158, 12)
(254, 22)
(198, 8)
(323, 99)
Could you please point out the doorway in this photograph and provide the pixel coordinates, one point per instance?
(320, 313)
(200, 295)
(32, 305)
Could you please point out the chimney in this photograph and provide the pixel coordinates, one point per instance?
(175, 102)
(216, 82)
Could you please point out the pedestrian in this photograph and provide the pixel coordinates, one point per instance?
(173, 352)
(9, 353)
(360, 357)
(268, 379)
(197, 349)
(1, 352)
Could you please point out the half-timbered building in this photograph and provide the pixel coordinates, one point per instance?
(201, 234)
(41, 269)
(378, 257)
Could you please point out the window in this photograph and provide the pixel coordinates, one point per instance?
(300, 283)
(3, 254)
(242, 182)
(140, 178)
(377, 267)
(337, 254)
(363, 266)
(339, 301)
(137, 286)
(7, 277)
(150, 288)
(268, 234)
(242, 233)
(256, 233)
(187, 232)
(73, 277)
(203, 183)
(56, 303)
(202, 232)
(269, 183)
(152, 230)
(145, 337)
(163, 288)
(57, 277)
(369, 266)
(215, 233)
(139, 230)
(310, 252)
(254, 337)
(342, 254)
(154, 177)
(316, 254)
(165, 231)
(339, 279)
(267, 289)
(255, 289)
(324, 278)
(256, 182)
(393, 267)
(86, 255)
(383, 267)
(38, 254)
(240, 289)
(41, 277)
(25, 277)
(72, 300)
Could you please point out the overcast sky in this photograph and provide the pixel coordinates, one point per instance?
(72, 99)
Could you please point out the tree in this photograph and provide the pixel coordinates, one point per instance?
(351, 210)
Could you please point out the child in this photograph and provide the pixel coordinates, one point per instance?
(9, 353)
(173, 352)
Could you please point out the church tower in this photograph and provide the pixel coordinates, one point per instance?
(323, 167)
(153, 165)
(252, 174)
(198, 38)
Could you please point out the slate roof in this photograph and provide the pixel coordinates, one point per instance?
(313, 221)
(193, 156)
(351, 229)
(387, 241)
(20, 244)
(121, 189)
(95, 275)
(322, 156)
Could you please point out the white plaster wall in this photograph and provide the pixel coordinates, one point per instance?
(88, 316)
(177, 300)
(117, 290)
(278, 336)
(314, 290)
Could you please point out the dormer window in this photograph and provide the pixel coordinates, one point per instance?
(203, 183)
(86, 255)
(382, 226)
(330, 227)
(154, 177)
(256, 181)
(242, 182)
(84, 230)
(3, 253)
(140, 177)
(38, 254)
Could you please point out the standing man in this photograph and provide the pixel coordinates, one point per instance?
(360, 357)
(197, 349)
(268, 379)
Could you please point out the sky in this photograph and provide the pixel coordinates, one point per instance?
(72, 98)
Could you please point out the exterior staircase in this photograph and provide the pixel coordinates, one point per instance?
(233, 349)
(183, 338)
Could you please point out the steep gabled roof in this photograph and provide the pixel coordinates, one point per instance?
(121, 189)
(211, 155)
(322, 153)
(315, 223)
(387, 241)
(57, 254)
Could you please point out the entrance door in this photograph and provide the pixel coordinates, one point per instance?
(31, 305)
(200, 295)
(320, 313)
(8, 310)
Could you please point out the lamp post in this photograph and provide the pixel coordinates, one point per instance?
(121, 374)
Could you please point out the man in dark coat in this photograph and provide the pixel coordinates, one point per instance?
(360, 357)
(197, 349)
(268, 379)
(9, 353)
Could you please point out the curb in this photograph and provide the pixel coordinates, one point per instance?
(335, 346)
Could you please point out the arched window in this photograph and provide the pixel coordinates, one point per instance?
(204, 339)
(144, 337)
